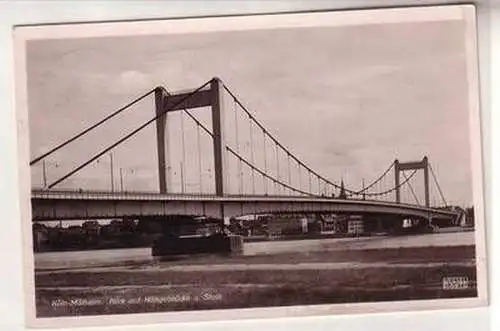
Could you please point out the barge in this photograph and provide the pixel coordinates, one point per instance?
(199, 237)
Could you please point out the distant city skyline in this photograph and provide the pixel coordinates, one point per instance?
(346, 100)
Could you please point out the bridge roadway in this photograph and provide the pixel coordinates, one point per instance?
(78, 205)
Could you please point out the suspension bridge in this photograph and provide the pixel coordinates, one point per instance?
(246, 171)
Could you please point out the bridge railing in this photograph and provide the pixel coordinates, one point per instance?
(106, 195)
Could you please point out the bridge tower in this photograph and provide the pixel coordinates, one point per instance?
(403, 166)
(161, 125)
(209, 97)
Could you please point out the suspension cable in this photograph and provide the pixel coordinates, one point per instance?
(268, 134)
(265, 132)
(198, 144)
(411, 188)
(377, 180)
(252, 157)
(126, 137)
(265, 158)
(237, 138)
(277, 165)
(394, 188)
(278, 143)
(90, 128)
(438, 186)
(299, 175)
(289, 170)
(300, 163)
(264, 174)
(310, 186)
(183, 163)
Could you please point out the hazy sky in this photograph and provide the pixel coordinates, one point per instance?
(346, 100)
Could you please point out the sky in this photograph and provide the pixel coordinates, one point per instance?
(346, 100)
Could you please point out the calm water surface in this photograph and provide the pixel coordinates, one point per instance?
(83, 259)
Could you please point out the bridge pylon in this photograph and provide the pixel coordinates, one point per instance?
(209, 97)
(416, 165)
(161, 125)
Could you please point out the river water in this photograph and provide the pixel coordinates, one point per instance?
(83, 259)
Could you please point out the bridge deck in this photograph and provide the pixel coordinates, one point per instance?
(74, 204)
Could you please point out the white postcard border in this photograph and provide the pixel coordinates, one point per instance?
(265, 21)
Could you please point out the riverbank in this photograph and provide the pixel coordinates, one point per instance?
(272, 280)
(325, 235)
(263, 239)
(314, 247)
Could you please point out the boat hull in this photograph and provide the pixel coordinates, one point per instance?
(215, 244)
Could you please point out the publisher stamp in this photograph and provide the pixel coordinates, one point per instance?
(455, 283)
